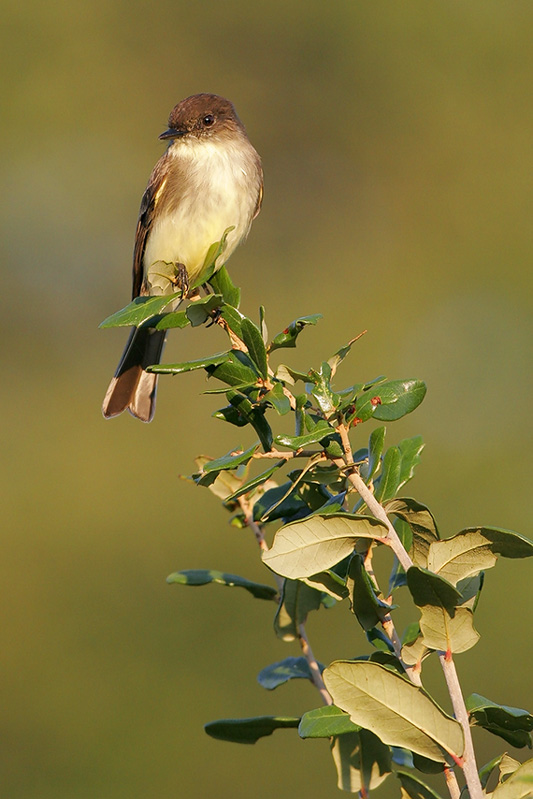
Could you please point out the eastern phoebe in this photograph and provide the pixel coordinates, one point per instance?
(209, 179)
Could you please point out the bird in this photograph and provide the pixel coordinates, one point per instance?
(210, 178)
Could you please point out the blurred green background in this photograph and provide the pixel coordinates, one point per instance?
(396, 141)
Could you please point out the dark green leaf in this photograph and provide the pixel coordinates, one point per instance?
(233, 319)
(287, 338)
(321, 431)
(256, 348)
(190, 366)
(335, 360)
(248, 731)
(231, 415)
(428, 588)
(168, 321)
(206, 576)
(277, 503)
(297, 600)
(410, 449)
(254, 415)
(138, 311)
(375, 449)
(324, 722)
(368, 608)
(222, 284)
(210, 261)
(231, 460)
(414, 787)
(278, 399)
(236, 370)
(255, 481)
(512, 724)
(389, 481)
(290, 668)
(390, 400)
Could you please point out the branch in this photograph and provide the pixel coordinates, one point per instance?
(316, 676)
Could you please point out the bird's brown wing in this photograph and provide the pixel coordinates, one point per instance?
(151, 196)
(259, 196)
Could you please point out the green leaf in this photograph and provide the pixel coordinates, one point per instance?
(444, 631)
(287, 338)
(390, 400)
(297, 600)
(277, 503)
(398, 712)
(190, 366)
(231, 415)
(236, 370)
(421, 521)
(233, 319)
(249, 731)
(324, 722)
(256, 348)
(518, 786)
(231, 460)
(368, 608)
(278, 399)
(428, 588)
(474, 550)
(321, 431)
(315, 544)
(210, 261)
(327, 400)
(138, 311)
(328, 583)
(290, 668)
(389, 481)
(201, 311)
(335, 360)
(362, 761)
(512, 724)
(254, 415)
(486, 770)
(410, 449)
(414, 787)
(222, 284)
(375, 449)
(245, 488)
(205, 576)
(171, 320)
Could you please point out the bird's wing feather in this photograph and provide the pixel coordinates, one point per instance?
(150, 199)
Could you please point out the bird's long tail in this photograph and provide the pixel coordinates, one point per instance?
(133, 387)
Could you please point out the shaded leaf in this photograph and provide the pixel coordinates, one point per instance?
(321, 431)
(297, 600)
(329, 583)
(233, 319)
(249, 731)
(256, 347)
(362, 761)
(486, 770)
(428, 588)
(200, 311)
(518, 786)
(422, 523)
(336, 359)
(277, 503)
(190, 366)
(398, 712)
(168, 321)
(315, 544)
(414, 788)
(245, 488)
(290, 668)
(389, 481)
(235, 370)
(375, 449)
(324, 722)
(512, 724)
(278, 399)
(254, 415)
(367, 607)
(231, 460)
(197, 577)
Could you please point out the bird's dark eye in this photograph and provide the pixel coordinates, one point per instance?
(208, 120)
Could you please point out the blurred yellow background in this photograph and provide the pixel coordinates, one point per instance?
(396, 142)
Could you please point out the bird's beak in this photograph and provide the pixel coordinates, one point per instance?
(172, 133)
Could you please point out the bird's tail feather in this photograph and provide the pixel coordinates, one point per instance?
(133, 387)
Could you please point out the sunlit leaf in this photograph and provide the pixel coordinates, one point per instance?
(190, 366)
(321, 431)
(297, 600)
(444, 631)
(138, 311)
(222, 284)
(398, 712)
(389, 481)
(251, 336)
(391, 400)
(287, 338)
(421, 521)
(362, 761)
(317, 543)
(518, 786)
(324, 722)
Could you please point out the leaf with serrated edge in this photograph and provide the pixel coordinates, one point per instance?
(398, 712)
(315, 544)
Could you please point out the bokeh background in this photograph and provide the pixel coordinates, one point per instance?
(396, 140)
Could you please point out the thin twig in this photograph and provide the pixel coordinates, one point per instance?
(316, 676)
(451, 783)
(461, 714)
